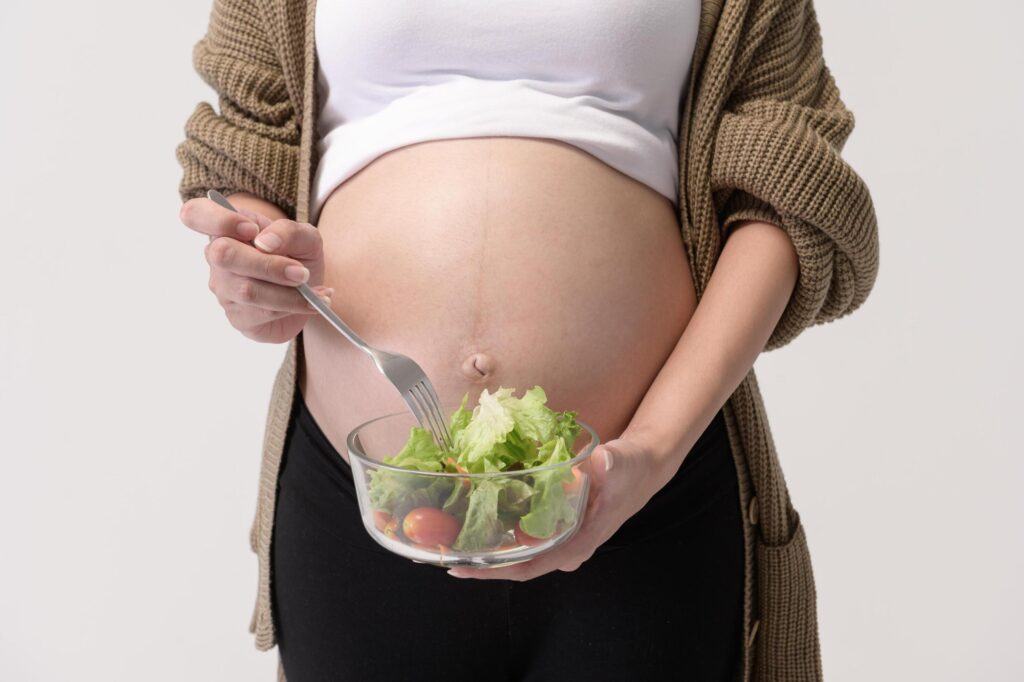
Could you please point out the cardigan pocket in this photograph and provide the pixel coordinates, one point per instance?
(785, 637)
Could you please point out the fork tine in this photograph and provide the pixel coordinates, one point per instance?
(411, 402)
(426, 418)
(437, 404)
(421, 396)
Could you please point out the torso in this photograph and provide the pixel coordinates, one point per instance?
(492, 261)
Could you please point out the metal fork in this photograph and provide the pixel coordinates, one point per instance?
(407, 376)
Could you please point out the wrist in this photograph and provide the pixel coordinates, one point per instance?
(664, 448)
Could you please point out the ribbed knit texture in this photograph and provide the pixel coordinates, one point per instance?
(760, 138)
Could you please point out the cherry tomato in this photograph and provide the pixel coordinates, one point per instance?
(573, 487)
(523, 538)
(430, 526)
(391, 529)
(381, 519)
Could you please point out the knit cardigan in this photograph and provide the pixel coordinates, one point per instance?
(761, 130)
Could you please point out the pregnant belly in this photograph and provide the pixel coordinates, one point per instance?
(497, 261)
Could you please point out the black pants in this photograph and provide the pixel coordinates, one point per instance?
(661, 600)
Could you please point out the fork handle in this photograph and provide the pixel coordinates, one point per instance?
(332, 317)
(307, 293)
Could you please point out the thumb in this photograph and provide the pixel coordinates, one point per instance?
(617, 459)
(607, 457)
(604, 461)
(607, 466)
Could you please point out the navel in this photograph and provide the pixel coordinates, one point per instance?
(478, 367)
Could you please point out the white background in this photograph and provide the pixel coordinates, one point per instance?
(131, 412)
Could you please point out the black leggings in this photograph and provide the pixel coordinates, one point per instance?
(661, 600)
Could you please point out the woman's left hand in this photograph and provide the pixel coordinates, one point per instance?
(616, 494)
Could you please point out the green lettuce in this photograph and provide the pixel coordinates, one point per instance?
(393, 491)
(397, 493)
(548, 503)
(494, 504)
(482, 528)
(502, 433)
(488, 427)
(420, 452)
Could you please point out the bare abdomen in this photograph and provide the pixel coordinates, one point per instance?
(498, 261)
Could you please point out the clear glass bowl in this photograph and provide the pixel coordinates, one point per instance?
(502, 542)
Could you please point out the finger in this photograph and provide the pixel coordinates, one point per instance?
(251, 319)
(226, 287)
(261, 220)
(299, 240)
(273, 298)
(208, 217)
(256, 320)
(242, 259)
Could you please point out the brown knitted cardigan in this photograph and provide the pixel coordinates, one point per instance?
(760, 136)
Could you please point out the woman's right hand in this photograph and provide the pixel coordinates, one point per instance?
(256, 285)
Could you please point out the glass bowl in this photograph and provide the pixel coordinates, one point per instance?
(393, 500)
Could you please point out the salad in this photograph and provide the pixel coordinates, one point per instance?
(502, 433)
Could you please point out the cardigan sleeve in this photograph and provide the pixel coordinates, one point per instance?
(252, 143)
(777, 159)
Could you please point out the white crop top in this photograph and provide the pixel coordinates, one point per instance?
(606, 76)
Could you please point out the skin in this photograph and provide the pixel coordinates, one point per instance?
(470, 255)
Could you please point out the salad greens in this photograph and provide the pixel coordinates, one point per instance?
(502, 433)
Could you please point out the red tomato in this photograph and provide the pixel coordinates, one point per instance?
(391, 529)
(381, 519)
(525, 539)
(573, 487)
(430, 526)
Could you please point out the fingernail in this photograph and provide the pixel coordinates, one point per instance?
(248, 230)
(452, 572)
(296, 273)
(608, 460)
(329, 292)
(268, 241)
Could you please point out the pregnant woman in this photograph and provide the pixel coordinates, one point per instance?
(622, 202)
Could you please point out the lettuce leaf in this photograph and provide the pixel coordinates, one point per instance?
(549, 504)
(397, 493)
(482, 528)
(460, 419)
(534, 420)
(489, 425)
(494, 504)
(393, 491)
(420, 452)
(568, 429)
(514, 496)
(457, 501)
